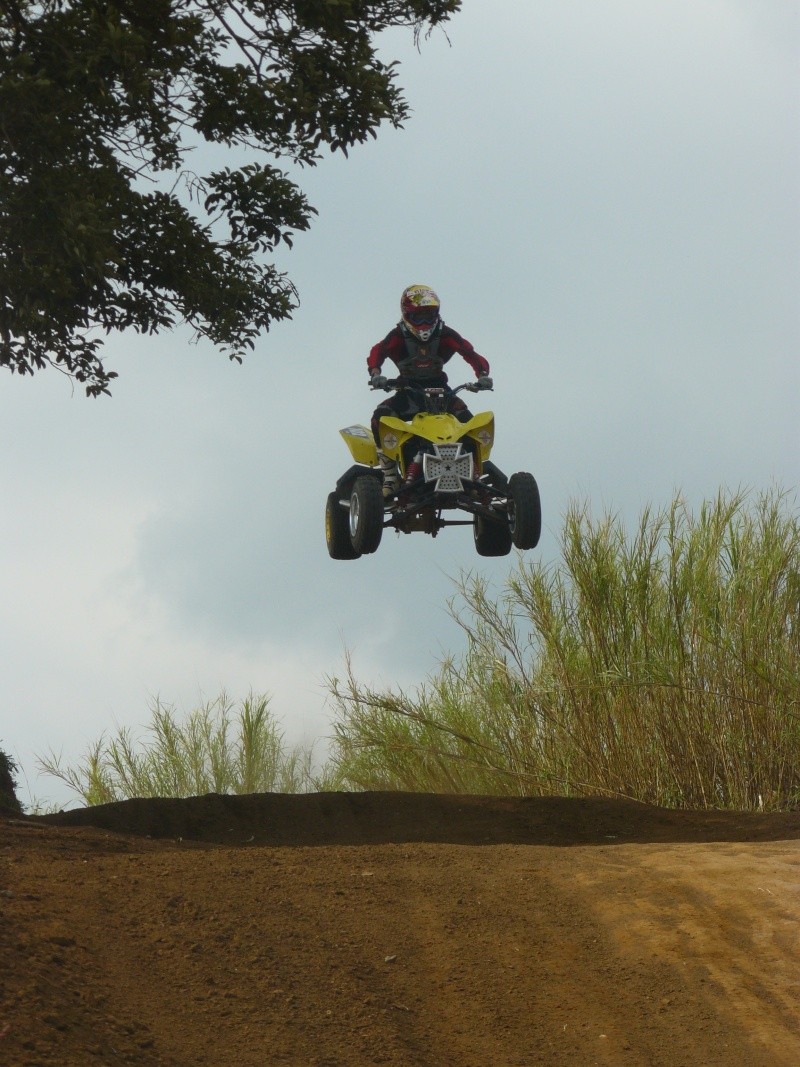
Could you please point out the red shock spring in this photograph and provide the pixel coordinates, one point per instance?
(414, 470)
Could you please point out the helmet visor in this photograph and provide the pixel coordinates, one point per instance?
(425, 316)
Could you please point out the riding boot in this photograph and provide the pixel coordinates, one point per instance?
(391, 474)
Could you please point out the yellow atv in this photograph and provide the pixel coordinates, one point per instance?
(444, 467)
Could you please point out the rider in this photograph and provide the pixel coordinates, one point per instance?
(419, 346)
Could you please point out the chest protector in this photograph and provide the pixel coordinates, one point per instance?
(421, 359)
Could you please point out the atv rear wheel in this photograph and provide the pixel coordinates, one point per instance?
(366, 515)
(492, 538)
(524, 510)
(337, 530)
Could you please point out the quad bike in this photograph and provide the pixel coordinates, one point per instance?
(444, 467)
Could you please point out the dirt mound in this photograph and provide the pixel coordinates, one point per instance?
(401, 929)
(383, 818)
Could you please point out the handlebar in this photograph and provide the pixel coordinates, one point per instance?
(403, 383)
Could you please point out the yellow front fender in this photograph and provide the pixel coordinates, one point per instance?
(439, 429)
(394, 434)
(484, 419)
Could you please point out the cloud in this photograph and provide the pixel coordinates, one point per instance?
(605, 197)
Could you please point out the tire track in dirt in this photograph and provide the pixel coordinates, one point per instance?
(523, 963)
(728, 912)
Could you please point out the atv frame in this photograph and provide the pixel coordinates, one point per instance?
(444, 469)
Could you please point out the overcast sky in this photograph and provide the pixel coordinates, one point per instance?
(605, 197)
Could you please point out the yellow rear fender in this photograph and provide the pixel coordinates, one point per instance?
(361, 443)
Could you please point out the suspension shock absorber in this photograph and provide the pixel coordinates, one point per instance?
(414, 469)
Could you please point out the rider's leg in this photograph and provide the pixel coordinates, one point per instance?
(457, 407)
(394, 405)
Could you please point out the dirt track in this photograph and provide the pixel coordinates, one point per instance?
(399, 929)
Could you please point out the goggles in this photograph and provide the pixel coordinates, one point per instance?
(423, 316)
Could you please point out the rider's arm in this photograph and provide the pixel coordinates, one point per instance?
(381, 351)
(375, 359)
(460, 344)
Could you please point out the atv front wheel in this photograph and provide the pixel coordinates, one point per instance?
(337, 530)
(492, 538)
(366, 515)
(524, 510)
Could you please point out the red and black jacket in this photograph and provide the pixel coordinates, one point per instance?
(423, 361)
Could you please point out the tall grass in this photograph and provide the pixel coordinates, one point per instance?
(220, 747)
(661, 664)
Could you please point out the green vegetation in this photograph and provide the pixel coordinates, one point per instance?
(662, 665)
(9, 804)
(104, 224)
(220, 747)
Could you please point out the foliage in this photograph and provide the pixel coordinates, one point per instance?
(663, 665)
(221, 747)
(9, 804)
(103, 225)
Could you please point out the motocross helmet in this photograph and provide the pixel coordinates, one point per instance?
(419, 307)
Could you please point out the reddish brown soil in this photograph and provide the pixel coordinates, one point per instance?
(399, 929)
